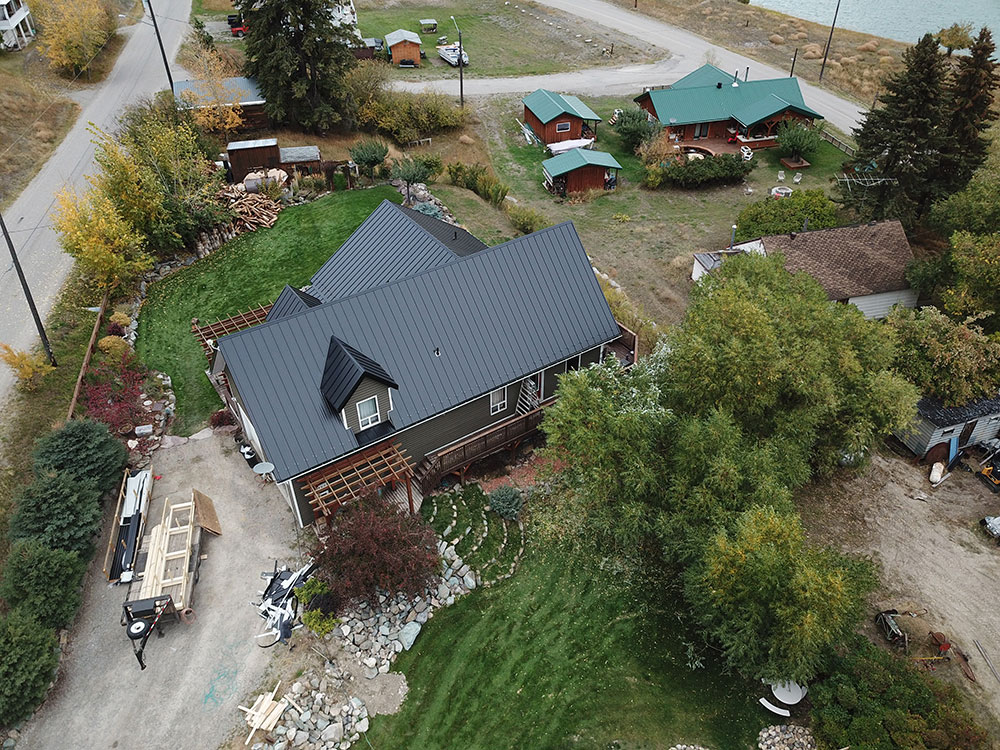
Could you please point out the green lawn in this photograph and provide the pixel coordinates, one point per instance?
(249, 271)
(562, 655)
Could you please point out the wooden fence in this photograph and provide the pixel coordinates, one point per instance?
(86, 357)
(847, 148)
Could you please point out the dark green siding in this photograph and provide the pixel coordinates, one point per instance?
(453, 425)
(551, 380)
(367, 388)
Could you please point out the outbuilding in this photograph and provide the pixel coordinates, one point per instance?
(253, 156)
(244, 90)
(938, 432)
(305, 160)
(404, 48)
(558, 117)
(579, 170)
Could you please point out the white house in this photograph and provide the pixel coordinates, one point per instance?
(864, 265)
(938, 432)
(16, 25)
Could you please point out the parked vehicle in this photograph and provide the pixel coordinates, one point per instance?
(449, 53)
(237, 26)
(992, 526)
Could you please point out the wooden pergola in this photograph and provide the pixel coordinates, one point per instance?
(212, 331)
(356, 476)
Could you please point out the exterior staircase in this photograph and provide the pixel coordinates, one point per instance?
(527, 398)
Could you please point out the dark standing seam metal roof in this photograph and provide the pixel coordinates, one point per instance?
(495, 317)
(946, 416)
(387, 246)
(456, 239)
(290, 301)
(345, 366)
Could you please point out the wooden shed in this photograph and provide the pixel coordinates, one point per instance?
(250, 156)
(938, 432)
(559, 117)
(244, 90)
(305, 160)
(580, 169)
(404, 48)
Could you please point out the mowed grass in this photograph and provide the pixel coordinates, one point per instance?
(501, 40)
(562, 656)
(249, 271)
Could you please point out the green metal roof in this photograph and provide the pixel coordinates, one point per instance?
(698, 98)
(548, 105)
(576, 158)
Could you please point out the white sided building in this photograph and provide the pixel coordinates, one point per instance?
(17, 27)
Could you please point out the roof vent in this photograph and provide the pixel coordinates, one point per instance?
(718, 85)
(437, 351)
(454, 234)
(791, 235)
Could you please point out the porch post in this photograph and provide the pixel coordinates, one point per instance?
(409, 493)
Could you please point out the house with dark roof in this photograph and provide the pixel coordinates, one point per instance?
(710, 104)
(415, 351)
(863, 265)
(938, 432)
(580, 169)
(559, 117)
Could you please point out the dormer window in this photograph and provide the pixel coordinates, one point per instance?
(368, 415)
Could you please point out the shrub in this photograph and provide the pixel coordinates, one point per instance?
(369, 154)
(321, 606)
(506, 501)
(28, 368)
(115, 329)
(339, 181)
(114, 347)
(474, 177)
(724, 169)
(310, 589)
(524, 219)
(407, 116)
(796, 141)
(42, 581)
(634, 127)
(374, 546)
(111, 393)
(490, 189)
(433, 164)
(60, 511)
(120, 318)
(222, 418)
(320, 622)
(429, 209)
(82, 450)
(770, 216)
(28, 659)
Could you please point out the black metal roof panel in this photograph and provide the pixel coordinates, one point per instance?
(456, 239)
(344, 368)
(449, 334)
(387, 246)
(290, 301)
(947, 416)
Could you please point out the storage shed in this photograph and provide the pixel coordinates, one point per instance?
(938, 432)
(559, 117)
(580, 169)
(245, 90)
(251, 156)
(302, 159)
(404, 48)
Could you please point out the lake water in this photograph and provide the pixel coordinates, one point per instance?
(905, 20)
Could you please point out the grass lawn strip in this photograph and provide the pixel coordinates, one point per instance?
(475, 501)
(489, 545)
(561, 656)
(249, 271)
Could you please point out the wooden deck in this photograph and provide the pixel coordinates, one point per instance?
(714, 146)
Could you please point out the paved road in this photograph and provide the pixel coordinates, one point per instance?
(137, 73)
(687, 52)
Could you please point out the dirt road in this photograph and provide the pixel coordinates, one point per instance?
(932, 553)
(196, 674)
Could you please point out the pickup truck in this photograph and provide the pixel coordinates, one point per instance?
(237, 26)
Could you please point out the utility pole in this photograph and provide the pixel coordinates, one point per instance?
(461, 65)
(166, 65)
(794, 58)
(829, 41)
(27, 294)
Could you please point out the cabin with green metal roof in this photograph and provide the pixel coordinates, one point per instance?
(711, 104)
(580, 169)
(559, 117)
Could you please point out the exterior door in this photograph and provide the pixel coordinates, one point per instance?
(963, 439)
(701, 130)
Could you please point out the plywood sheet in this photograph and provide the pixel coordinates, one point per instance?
(204, 510)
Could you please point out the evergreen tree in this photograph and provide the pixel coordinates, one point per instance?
(299, 57)
(905, 139)
(972, 92)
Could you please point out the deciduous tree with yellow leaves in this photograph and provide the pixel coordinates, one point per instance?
(215, 103)
(72, 32)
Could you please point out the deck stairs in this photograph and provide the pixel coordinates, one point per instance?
(527, 398)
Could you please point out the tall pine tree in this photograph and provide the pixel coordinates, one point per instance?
(905, 139)
(298, 56)
(971, 103)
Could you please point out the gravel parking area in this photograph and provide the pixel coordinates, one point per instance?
(196, 674)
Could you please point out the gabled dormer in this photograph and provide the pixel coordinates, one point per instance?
(356, 387)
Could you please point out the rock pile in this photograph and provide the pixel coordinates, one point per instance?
(786, 737)
(420, 194)
(688, 747)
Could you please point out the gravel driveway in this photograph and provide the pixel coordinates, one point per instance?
(196, 674)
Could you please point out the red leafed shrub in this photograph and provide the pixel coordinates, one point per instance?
(374, 546)
(111, 393)
(115, 329)
(221, 418)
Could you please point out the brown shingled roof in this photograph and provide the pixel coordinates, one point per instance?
(848, 261)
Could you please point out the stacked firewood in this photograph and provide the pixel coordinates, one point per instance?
(250, 210)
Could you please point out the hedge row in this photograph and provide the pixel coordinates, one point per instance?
(52, 531)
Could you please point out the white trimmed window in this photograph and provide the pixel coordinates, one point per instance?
(562, 127)
(498, 400)
(368, 412)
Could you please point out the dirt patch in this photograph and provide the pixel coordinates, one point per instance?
(932, 554)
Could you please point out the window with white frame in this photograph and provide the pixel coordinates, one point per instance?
(562, 127)
(368, 412)
(498, 400)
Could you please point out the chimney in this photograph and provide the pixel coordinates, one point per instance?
(718, 85)
(454, 235)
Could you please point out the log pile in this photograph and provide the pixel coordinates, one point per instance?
(250, 210)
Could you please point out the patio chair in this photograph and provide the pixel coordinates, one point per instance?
(746, 152)
(781, 175)
(797, 178)
(774, 709)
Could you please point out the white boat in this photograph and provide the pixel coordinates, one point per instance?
(449, 53)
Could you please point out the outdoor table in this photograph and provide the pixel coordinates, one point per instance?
(263, 469)
(789, 692)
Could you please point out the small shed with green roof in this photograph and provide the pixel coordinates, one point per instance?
(710, 103)
(580, 169)
(559, 117)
